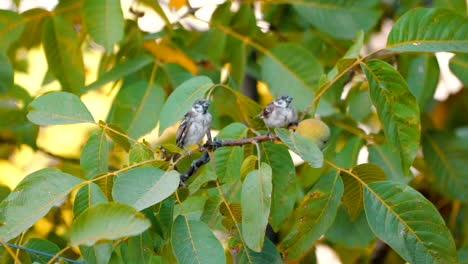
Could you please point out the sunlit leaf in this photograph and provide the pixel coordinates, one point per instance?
(32, 199)
(181, 100)
(158, 9)
(87, 196)
(168, 52)
(294, 67)
(447, 160)
(63, 53)
(119, 71)
(139, 153)
(106, 221)
(284, 181)
(459, 66)
(136, 108)
(397, 109)
(94, 156)
(104, 21)
(313, 216)
(58, 108)
(256, 202)
(304, 147)
(353, 190)
(338, 18)
(143, 187)
(430, 30)
(413, 226)
(194, 242)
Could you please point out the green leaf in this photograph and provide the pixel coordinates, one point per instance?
(43, 246)
(106, 221)
(58, 108)
(413, 226)
(11, 27)
(353, 190)
(182, 99)
(87, 196)
(210, 214)
(116, 133)
(429, 30)
(349, 233)
(104, 20)
(348, 155)
(6, 74)
(459, 66)
(94, 156)
(145, 186)
(284, 182)
(422, 74)
(228, 161)
(34, 24)
(140, 249)
(97, 254)
(458, 6)
(32, 199)
(303, 147)
(447, 160)
(256, 202)
(63, 53)
(389, 160)
(294, 67)
(136, 108)
(139, 153)
(269, 254)
(338, 18)
(194, 242)
(397, 109)
(119, 71)
(313, 216)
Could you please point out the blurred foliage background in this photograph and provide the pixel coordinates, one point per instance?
(126, 65)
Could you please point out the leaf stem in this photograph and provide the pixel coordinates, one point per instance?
(58, 254)
(10, 251)
(105, 126)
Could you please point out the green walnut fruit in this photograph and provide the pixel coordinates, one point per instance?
(315, 130)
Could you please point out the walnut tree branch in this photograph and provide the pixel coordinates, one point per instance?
(219, 143)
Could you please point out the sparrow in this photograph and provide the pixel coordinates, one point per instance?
(279, 113)
(195, 125)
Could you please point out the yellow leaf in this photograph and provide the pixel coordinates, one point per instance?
(164, 51)
(177, 4)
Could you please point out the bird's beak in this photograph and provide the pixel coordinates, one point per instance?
(206, 103)
(289, 99)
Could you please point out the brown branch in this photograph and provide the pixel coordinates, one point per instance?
(219, 143)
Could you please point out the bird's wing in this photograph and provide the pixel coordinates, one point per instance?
(183, 129)
(267, 111)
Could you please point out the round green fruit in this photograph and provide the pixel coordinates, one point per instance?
(315, 130)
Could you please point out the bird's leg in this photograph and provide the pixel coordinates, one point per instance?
(270, 135)
(189, 153)
(200, 148)
(208, 135)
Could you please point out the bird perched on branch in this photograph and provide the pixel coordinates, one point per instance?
(195, 125)
(279, 113)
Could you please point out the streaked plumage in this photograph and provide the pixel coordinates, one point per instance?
(195, 125)
(279, 113)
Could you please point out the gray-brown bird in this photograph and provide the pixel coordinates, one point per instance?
(279, 113)
(195, 125)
